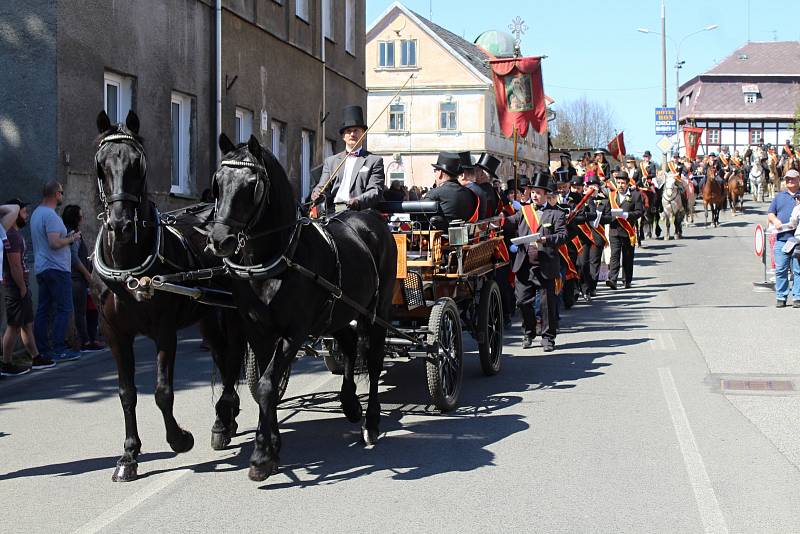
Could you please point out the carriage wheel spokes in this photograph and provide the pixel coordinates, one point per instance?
(444, 366)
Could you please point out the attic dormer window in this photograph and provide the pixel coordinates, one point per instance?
(750, 91)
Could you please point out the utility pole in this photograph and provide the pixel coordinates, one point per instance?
(664, 70)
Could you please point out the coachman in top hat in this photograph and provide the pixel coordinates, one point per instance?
(359, 181)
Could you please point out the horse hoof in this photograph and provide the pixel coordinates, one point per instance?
(125, 472)
(352, 411)
(370, 437)
(260, 473)
(184, 443)
(220, 440)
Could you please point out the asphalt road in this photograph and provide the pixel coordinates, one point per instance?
(625, 428)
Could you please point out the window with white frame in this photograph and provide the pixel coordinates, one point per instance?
(386, 54)
(301, 9)
(447, 116)
(350, 26)
(181, 119)
(750, 98)
(408, 53)
(756, 136)
(244, 125)
(327, 19)
(117, 96)
(712, 136)
(306, 156)
(397, 117)
(278, 130)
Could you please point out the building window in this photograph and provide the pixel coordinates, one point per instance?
(306, 156)
(301, 9)
(447, 116)
(712, 136)
(244, 125)
(386, 54)
(117, 96)
(278, 129)
(181, 119)
(327, 19)
(397, 117)
(750, 98)
(756, 136)
(350, 26)
(397, 176)
(408, 53)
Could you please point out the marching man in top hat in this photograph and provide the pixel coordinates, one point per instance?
(359, 182)
(625, 207)
(537, 264)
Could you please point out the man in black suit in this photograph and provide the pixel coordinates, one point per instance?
(485, 172)
(625, 207)
(455, 200)
(537, 263)
(467, 179)
(359, 180)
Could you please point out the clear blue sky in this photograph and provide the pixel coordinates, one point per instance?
(593, 47)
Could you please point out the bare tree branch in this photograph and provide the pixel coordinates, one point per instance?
(583, 123)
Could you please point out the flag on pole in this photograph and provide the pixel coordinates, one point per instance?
(519, 94)
(691, 138)
(617, 146)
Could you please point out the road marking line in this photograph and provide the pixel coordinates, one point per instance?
(662, 341)
(707, 504)
(121, 508)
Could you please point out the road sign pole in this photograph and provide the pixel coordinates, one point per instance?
(760, 245)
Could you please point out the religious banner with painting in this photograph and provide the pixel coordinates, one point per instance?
(617, 146)
(691, 138)
(519, 94)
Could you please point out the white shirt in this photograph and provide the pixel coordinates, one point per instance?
(343, 194)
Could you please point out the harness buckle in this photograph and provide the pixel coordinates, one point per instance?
(241, 240)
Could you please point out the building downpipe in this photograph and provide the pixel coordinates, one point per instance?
(218, 54)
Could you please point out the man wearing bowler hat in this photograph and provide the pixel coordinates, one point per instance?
(537, 263)
(359, 178)
(455, 200)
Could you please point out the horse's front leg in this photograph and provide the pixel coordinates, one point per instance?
(265, 459)
(122, 349)
(375, 357)
(350, 343)
(179, 440)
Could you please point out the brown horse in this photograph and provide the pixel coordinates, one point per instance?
(713, 195)
(736, 191)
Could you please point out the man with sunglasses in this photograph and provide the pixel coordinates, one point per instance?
(53, 267)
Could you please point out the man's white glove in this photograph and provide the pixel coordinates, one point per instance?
(625, 215)
(596, 221)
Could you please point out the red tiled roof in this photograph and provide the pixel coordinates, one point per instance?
(776, 58)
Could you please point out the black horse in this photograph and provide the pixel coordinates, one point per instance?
(133, 246)
(278, 252)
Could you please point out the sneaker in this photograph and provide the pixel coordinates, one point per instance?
(42, 362)
(780, 304)
(796, 304)
(527, 342)
(67, 356)
(11, 369)
(92, 346)
(548, 346)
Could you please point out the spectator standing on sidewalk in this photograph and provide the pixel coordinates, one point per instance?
(81, 279)
(52, 264)
(19, 305)
(779, 214)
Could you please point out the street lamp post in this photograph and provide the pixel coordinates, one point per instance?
(678, 63)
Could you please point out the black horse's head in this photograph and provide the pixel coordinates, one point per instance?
(240, 188)
(121, 174)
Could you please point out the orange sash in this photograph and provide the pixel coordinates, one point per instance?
(645, 174)
(724, 160)
(531, 217)
(624, 223)
(572, 272)
(672, 167)
(474, 217)
(600, 171)
(737, 162)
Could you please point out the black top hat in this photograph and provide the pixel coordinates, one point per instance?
(630, 157)
(352, 116)
(620, 175)
(594, 180)
(553, 185)
(448, 163)
(541, 180)
(576, 180)
(466, 160)
(488, 163)
(523, 181)
(647, 154)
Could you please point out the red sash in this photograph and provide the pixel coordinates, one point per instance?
(724, 160)
(624, 223)
(572, 272)
(474, 217)
(501, 251)
(737, 162)
(600, 171)
(577, 243)
(531, 217)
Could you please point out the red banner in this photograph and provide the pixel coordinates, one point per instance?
(519, 94)
(691, 138)
(617, 146)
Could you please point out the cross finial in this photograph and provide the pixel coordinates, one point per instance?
(517, 27)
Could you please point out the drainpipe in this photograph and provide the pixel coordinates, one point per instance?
(218, 51)
(322, 55)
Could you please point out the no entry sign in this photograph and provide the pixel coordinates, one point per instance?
(758, 239)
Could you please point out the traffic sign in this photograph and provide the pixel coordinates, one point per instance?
(666, 122)
(664, 144)
(759, 240)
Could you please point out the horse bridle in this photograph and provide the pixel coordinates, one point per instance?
(123, 197)
(261, 198)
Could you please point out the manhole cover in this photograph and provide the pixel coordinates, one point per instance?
(757, 385)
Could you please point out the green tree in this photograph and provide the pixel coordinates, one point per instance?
(796, 126)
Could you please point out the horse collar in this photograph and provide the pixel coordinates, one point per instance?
(114, 274)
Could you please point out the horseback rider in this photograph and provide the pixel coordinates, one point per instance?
(565, 172)
(360, 181)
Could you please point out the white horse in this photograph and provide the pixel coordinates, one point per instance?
(758, 184)
(672, 206)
